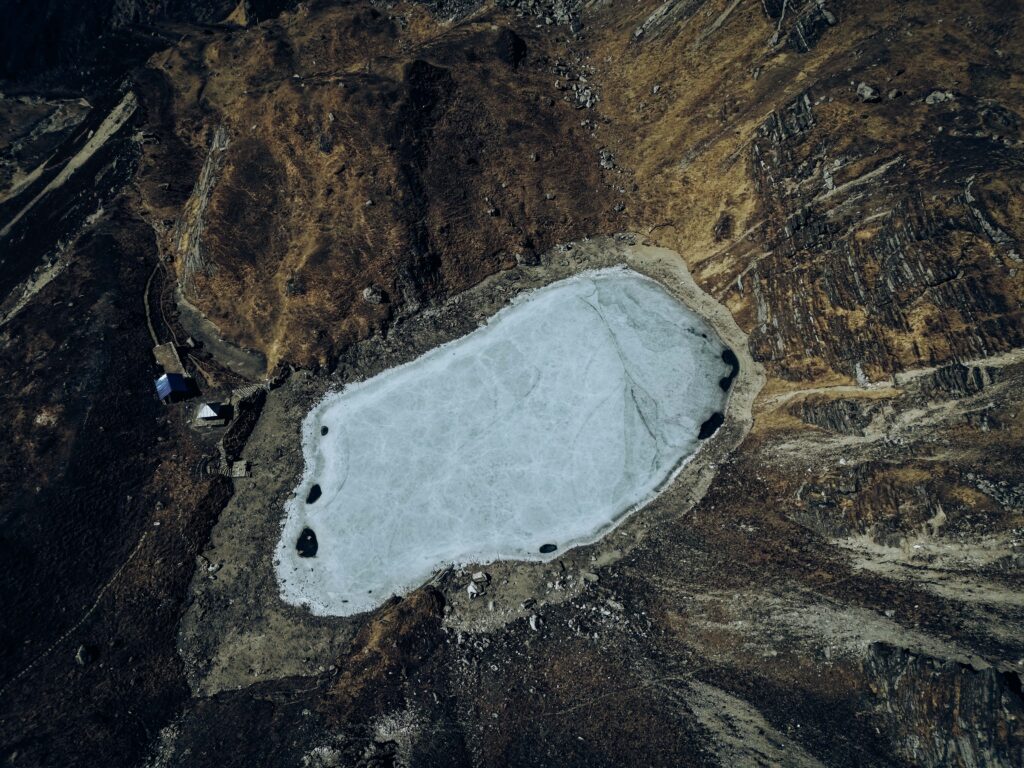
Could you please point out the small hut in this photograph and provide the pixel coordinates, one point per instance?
(212, 415)
(172, 387)
(239, 469)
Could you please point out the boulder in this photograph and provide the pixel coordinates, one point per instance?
(868, 93)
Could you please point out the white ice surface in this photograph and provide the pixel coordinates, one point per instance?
(568, 409)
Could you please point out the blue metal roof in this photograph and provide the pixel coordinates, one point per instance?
(171, 383)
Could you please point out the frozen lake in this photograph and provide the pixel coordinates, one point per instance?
(570, 408)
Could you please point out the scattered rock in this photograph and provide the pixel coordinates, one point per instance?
(937, 97)
(480, 577)
(323, 757)
(373, 295)
(607, 159)
(83, 656)
(584, 96)
(868, 93)
(592, 578)
(724, 227)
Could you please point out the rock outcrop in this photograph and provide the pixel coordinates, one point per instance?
(944, 713)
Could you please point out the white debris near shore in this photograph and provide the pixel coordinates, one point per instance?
(570, 408)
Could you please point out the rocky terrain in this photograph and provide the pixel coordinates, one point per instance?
(299, 195)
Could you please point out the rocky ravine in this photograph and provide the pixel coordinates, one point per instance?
(327, 183)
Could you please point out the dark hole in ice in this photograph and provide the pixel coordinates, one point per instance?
(323, 431)
(730, 359)
(306, 545)
(547, 549)
(709, 427)
(314, 493)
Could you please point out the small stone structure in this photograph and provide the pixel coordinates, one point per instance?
(167, 358)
